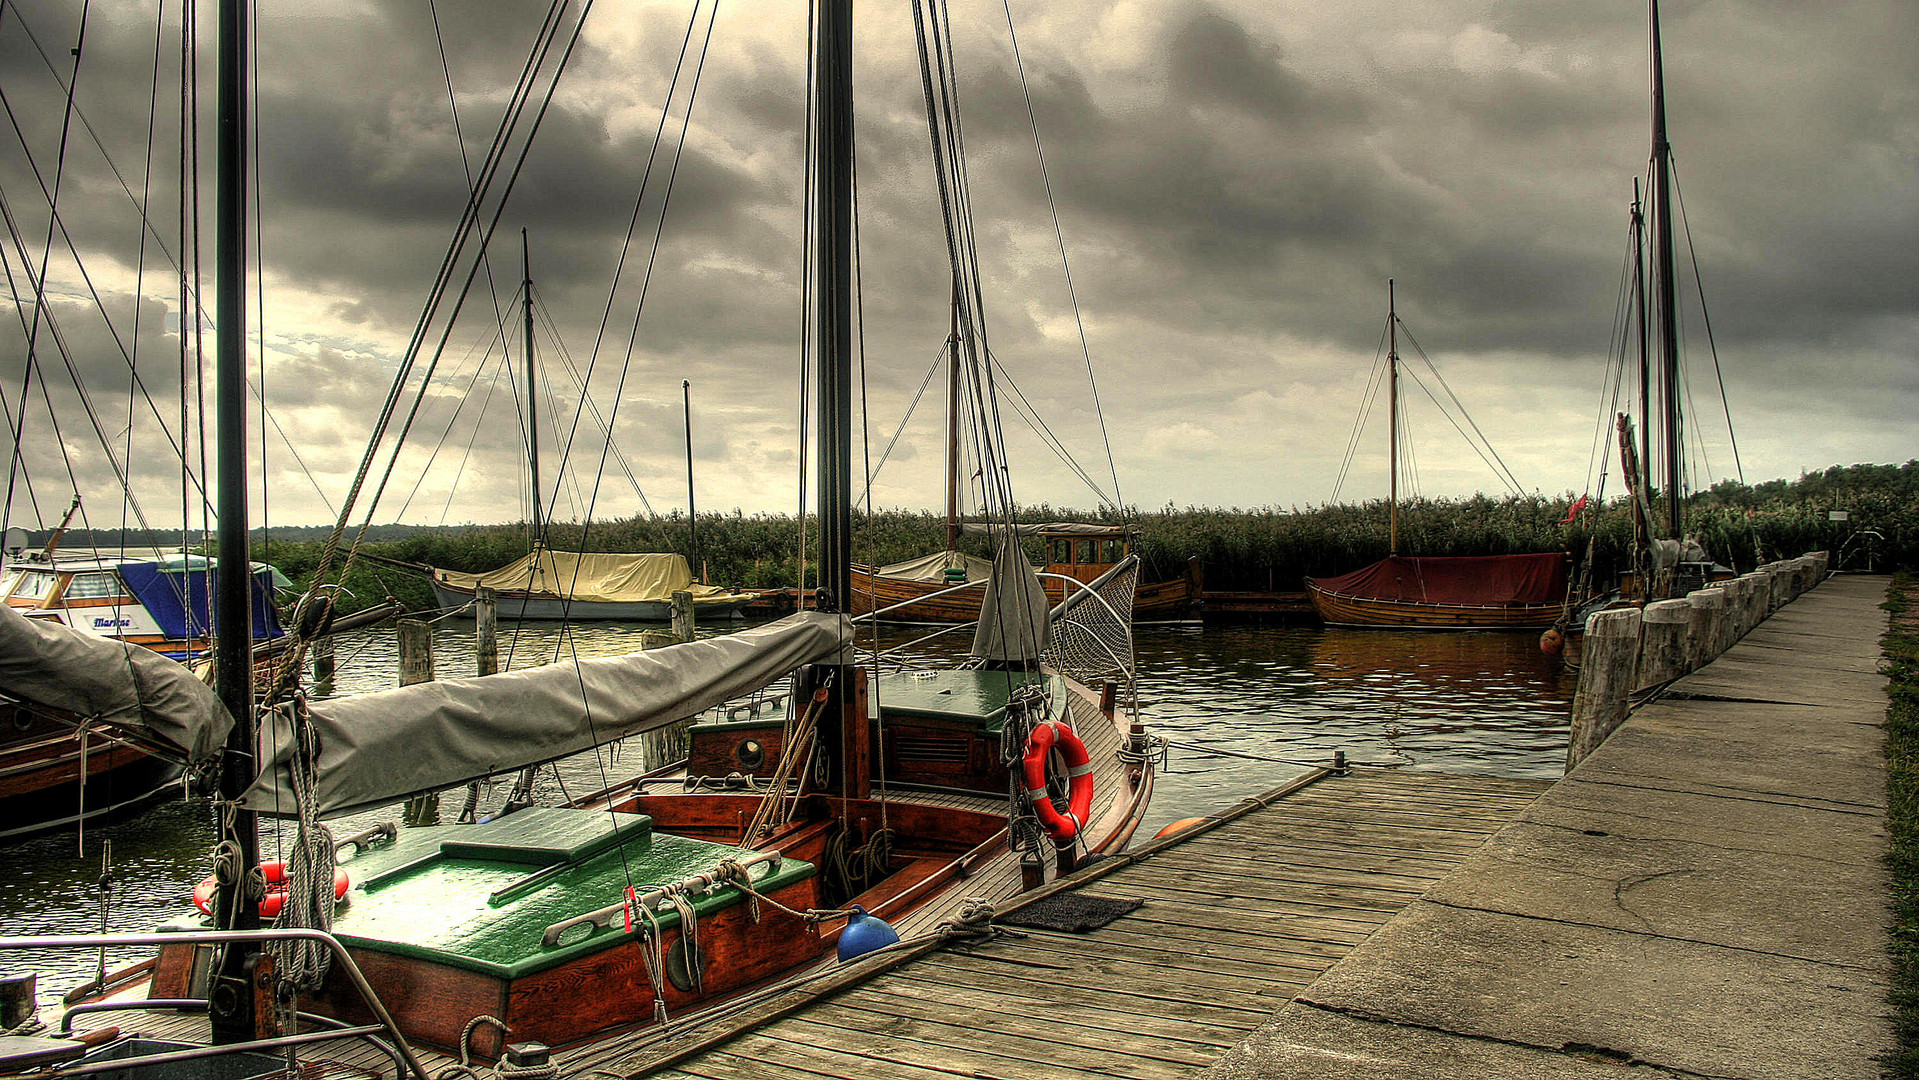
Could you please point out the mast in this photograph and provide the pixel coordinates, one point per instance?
(1392, 425)
(692, 514)
(1645, 354)
(230, 1000)
(952, 425)
(833, 297)
(1663, 281)
(532, 405)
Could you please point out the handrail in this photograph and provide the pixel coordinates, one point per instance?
(224, 937)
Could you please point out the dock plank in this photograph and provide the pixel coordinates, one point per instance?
(1240, 916)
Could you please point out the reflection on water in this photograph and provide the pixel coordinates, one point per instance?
(1450, 702)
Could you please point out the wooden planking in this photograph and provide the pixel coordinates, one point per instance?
(1237, 920)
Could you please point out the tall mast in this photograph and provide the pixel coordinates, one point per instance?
(1663, 281)
(692, 512)
(532, 405)
(1392, 424)
(952, 425)
(230, 1003)
(833, 296)
(1645, 355)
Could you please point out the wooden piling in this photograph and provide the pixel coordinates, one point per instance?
(1662, 642)
(1755, 601)
(486, 630)
(1605, 680)
(1706, 618)
(683, 615)
(416, 666)
(323, 666)
(657, 639)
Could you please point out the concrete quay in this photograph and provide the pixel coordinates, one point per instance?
(1704, 895)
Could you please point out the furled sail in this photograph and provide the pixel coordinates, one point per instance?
(381, 747)
(610, 577)
(1013, 618)
(152, 699)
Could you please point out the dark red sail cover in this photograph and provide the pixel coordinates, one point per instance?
(1500, 580)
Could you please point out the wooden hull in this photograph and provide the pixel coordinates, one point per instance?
(40, 771)
(1161, 601)
(1360, 611)
(548, 607)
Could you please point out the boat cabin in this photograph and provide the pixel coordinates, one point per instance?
(1081, 551)
(163, 603)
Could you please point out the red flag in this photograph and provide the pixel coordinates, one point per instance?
(1578, 505)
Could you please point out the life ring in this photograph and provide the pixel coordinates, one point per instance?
(275, 874)
(1079, 770)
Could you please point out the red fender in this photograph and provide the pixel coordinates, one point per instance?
(276, 896)
(1079, 769)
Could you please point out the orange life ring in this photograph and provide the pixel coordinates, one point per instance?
(1079, 770)
(275, 874)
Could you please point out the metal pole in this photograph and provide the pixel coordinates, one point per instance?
(833, 296)
(692, 512)
(532, 405)
(1663, 282)
(1392, 424)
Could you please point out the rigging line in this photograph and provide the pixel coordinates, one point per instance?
(639, 202)
(646, 283)
(187, 186)
(453, 485)
(1613, 374)
(140, 260)
(1508, 476)
(479, 369)
(40, 283)
(872, 472)
(53, 203)
(86, 126)
(291, 449)
(1025, 411)
(1373, 379)
(79, 384)
(1421, 383)
(1060, 235)
(459, 303)
(6, 409)
(496, 153)
(1706, 315)
(552, 326)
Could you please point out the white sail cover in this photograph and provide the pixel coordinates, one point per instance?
(381, 747)
(599, 577)
(932, 568)
(134, 689)
(1013, 618)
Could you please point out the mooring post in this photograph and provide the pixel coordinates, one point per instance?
(1662, 642)
(1781, 582)
(416, 666)
(1753, 600)
(683, 615)
(323, 666)
(486, 630)
(1705, 626)
(1605, 680)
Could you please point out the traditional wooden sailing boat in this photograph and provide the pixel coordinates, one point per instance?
(857, 795)
(1484, 592)
(578, 586)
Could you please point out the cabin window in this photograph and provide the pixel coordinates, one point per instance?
(93, 586)
(1088, 552)
(1112, 550)
(1062, 551)
(34, 586)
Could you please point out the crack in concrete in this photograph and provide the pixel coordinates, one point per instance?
(1849, 863)
(1570, 1049)
(1839, 964)
(1837, 806)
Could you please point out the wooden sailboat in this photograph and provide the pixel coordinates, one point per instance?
(1486, 592)
(854, 794)
(554, 585)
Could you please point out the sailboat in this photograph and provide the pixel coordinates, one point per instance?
(1477, 592)
(552, 584)
(657, 899)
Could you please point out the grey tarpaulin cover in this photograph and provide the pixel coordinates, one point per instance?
(1013, 616)
(132, 688)
(380, 747)
(932, 568)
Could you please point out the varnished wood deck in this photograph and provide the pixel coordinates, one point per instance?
(1238, 918)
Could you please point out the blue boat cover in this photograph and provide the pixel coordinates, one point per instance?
(181, 599)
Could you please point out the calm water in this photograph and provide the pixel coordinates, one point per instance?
(1223, 696)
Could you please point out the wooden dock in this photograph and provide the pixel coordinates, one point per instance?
(1238, 915)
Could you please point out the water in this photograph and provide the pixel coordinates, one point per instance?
(1223, 697)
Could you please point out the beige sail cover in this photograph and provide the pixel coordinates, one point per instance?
(611, 577)
(932, 568)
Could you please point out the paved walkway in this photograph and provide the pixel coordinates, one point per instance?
(1705, 895)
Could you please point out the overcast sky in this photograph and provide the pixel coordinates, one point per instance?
(1235, 183)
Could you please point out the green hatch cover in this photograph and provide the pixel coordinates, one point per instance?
(547, 836)
(970, 696)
